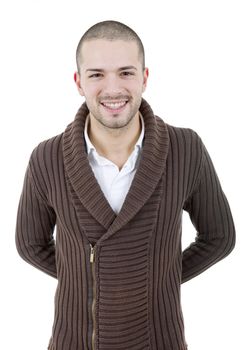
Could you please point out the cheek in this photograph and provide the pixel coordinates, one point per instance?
(91, 90)
(134, 86)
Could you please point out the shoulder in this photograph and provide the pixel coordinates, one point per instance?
(45, 157)
(44, 163)
(184, 139)
(186, 146)
(181, 133)
(186, 154)
(47, 150)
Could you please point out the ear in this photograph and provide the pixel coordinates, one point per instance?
(78, 83)
(145, 77)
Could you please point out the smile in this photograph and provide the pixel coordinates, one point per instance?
(114, 105)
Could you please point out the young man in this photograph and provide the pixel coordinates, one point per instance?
(115, 184)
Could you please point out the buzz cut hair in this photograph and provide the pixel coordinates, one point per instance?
(109, 30)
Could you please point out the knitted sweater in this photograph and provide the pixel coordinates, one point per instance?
(119, 276)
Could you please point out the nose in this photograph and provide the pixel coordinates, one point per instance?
(112, 85)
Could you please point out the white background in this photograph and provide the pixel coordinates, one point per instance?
(198, 54)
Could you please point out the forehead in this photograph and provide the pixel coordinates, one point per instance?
(104, 53)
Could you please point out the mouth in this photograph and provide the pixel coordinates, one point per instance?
(114, 107)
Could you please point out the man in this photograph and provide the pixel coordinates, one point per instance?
(115, 184)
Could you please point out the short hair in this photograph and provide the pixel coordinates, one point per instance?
(110, 30)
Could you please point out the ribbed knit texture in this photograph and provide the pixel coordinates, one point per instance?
(139, 264)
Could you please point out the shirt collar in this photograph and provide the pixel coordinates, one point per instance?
(90, 146)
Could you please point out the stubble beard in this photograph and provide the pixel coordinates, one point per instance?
(118, 122)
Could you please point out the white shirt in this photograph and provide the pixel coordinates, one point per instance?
(114, 183)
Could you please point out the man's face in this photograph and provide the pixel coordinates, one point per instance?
(112, 81)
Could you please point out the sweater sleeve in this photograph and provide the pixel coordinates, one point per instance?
(211, 216)
(34, 227)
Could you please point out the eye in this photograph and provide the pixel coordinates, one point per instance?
(126, 73)
(95, 75)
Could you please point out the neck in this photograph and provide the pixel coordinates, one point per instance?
(114, 142)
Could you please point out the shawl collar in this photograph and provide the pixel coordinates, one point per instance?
(85, 188)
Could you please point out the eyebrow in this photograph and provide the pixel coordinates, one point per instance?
(102, 70)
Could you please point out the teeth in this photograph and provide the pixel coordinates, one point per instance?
(115, 105)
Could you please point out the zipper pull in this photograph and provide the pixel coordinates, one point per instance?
(92, 254)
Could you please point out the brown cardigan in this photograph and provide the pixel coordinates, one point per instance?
(119, 275)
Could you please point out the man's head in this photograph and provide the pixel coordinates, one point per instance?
(111, 73)
(111, 31)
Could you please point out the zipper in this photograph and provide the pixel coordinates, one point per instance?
(92, 261)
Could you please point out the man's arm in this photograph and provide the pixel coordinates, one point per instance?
(34, 227)
(210, 214)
